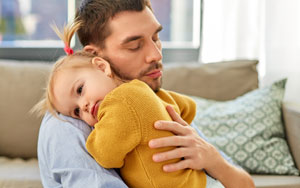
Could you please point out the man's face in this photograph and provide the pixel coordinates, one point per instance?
(133, 48)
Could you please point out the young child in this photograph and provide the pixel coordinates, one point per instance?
(83, 86)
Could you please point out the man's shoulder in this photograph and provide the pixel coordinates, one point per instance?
(59, 126)
(133, 87)
(131, 91)
(67, 135)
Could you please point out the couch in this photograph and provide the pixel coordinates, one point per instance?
(22, 85)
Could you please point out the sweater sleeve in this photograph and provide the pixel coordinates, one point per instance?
(115, 135)
(186, 105)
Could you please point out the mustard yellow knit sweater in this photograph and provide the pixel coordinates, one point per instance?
(120, 138)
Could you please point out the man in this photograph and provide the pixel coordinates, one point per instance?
(126, 34)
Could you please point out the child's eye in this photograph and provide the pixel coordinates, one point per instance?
(77, 112)
(79, 90)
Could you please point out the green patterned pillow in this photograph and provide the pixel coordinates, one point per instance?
(249, 129)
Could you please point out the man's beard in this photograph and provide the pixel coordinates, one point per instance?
(125, 77)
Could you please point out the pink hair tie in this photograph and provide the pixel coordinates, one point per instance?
(68, 50)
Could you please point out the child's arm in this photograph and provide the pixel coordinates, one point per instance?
(186, 105)
(116, 134)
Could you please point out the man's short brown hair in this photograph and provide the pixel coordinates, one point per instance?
(95, 14)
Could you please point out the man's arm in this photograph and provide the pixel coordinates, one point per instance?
(198, 154)
(63, 159)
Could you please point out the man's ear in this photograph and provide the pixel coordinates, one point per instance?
(91, 49)
(102, 65)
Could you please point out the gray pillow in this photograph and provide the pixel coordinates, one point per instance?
(249, 129)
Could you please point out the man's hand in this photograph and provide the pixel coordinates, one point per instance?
(197, 153)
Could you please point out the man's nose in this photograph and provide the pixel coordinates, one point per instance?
(153, 52)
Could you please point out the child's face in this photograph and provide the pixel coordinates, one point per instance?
(79, 92)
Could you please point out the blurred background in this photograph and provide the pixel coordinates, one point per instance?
(194, 31)
(26, 24)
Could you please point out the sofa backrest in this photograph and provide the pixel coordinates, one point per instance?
(218, 81)
(21, 86)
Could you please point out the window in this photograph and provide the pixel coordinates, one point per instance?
(25, 31)
(181, 21)
(178, 19)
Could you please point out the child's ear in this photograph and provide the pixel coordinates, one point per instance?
(102, 65)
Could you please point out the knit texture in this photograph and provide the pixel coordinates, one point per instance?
(120, 138)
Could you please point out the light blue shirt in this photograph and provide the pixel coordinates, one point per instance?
(64, 160)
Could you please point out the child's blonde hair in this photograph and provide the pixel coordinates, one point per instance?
(77, 60)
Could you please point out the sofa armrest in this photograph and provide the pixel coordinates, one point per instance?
(291, 115)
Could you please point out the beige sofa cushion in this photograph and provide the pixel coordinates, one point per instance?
(218, 81)
(21, 87)
(19, 173)
(267, 181)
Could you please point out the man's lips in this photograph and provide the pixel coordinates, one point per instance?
(155, 73)
(94, 110)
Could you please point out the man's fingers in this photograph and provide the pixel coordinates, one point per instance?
(175, 116)
(183, 164)
(172, 126)
(173, 154)
(167, 141)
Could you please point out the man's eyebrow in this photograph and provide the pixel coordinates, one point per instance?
(133, 38)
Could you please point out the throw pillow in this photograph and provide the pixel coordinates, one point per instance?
(249, 129)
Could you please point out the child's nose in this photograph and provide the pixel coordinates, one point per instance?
(85, 107)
